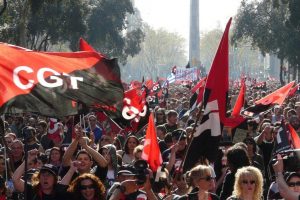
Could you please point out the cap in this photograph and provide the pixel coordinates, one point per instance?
(125, 173)
(50, 168)
(179, 134)
(289, 175)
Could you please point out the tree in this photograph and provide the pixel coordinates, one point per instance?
(40, 24)
(107, 26)
(159, 52)
(243, 58)
(267, 25)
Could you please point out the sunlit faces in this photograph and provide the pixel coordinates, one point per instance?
(85, 162)
(294, 184)
(248, 183)
(17, 149)
(47, 180)
(87, 189)
(132, 143)
(55, 155)
(206, 181)
(173, 119)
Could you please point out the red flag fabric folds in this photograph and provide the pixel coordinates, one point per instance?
(295, 140)
(208, 132)
(151, 152)
(50, 82)
(276, 97)
(240, 101)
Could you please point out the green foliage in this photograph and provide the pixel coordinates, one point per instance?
(266, 23)
(40, 24)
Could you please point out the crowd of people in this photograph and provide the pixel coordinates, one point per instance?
(93, 165)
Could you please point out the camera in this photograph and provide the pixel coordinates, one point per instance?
(141, 169)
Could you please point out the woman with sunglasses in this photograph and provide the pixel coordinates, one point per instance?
(248, 184)
(201, 177)
(87, 187)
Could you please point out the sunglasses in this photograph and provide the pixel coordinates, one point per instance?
(294, 184)
(248, 182)
(207, 178)
(84, 187)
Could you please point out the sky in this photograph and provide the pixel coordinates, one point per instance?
(173, 15)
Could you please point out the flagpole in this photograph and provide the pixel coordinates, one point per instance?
(199, 118)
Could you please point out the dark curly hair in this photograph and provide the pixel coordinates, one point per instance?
(76, 184)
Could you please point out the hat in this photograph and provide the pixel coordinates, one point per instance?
(179, 134)
(289, 175)
(50, 168)
(125, 173)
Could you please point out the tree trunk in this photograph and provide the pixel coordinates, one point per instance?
(294, 72)
(280, 72)
(289, 73)
(4, 7)
(23, 24)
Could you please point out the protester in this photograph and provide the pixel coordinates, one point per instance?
(55, 157)
(201, 178)
(248, 184)
(291, 192)
(45, 182)
(84, 156)
(236, 158)
(87, 187)
(109, 153)
(127, 155)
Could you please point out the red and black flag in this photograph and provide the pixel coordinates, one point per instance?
(197, 92)
(295, 140)
(208, 133)
(58, 84)
(275, 98)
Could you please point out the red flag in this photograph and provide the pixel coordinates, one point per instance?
(294, 137)
(109, 126)
(276, 97)
(240, 101)
(151, 152)
(134, 104)
(47, 82)
(293, 90)
(55, 131)
(208, 132)
(84, 46)
(197, 91)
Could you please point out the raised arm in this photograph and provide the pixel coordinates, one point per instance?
(68, 177)
(67, 158)
(16, 178)
(284, 190)
(99, 159)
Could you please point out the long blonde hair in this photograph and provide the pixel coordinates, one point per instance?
(255, 174)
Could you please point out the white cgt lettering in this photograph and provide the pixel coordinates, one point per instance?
(40, 77)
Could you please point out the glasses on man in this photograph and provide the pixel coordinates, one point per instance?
(207, 178)
(293, 184)
(246, 182)
(85, 187)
